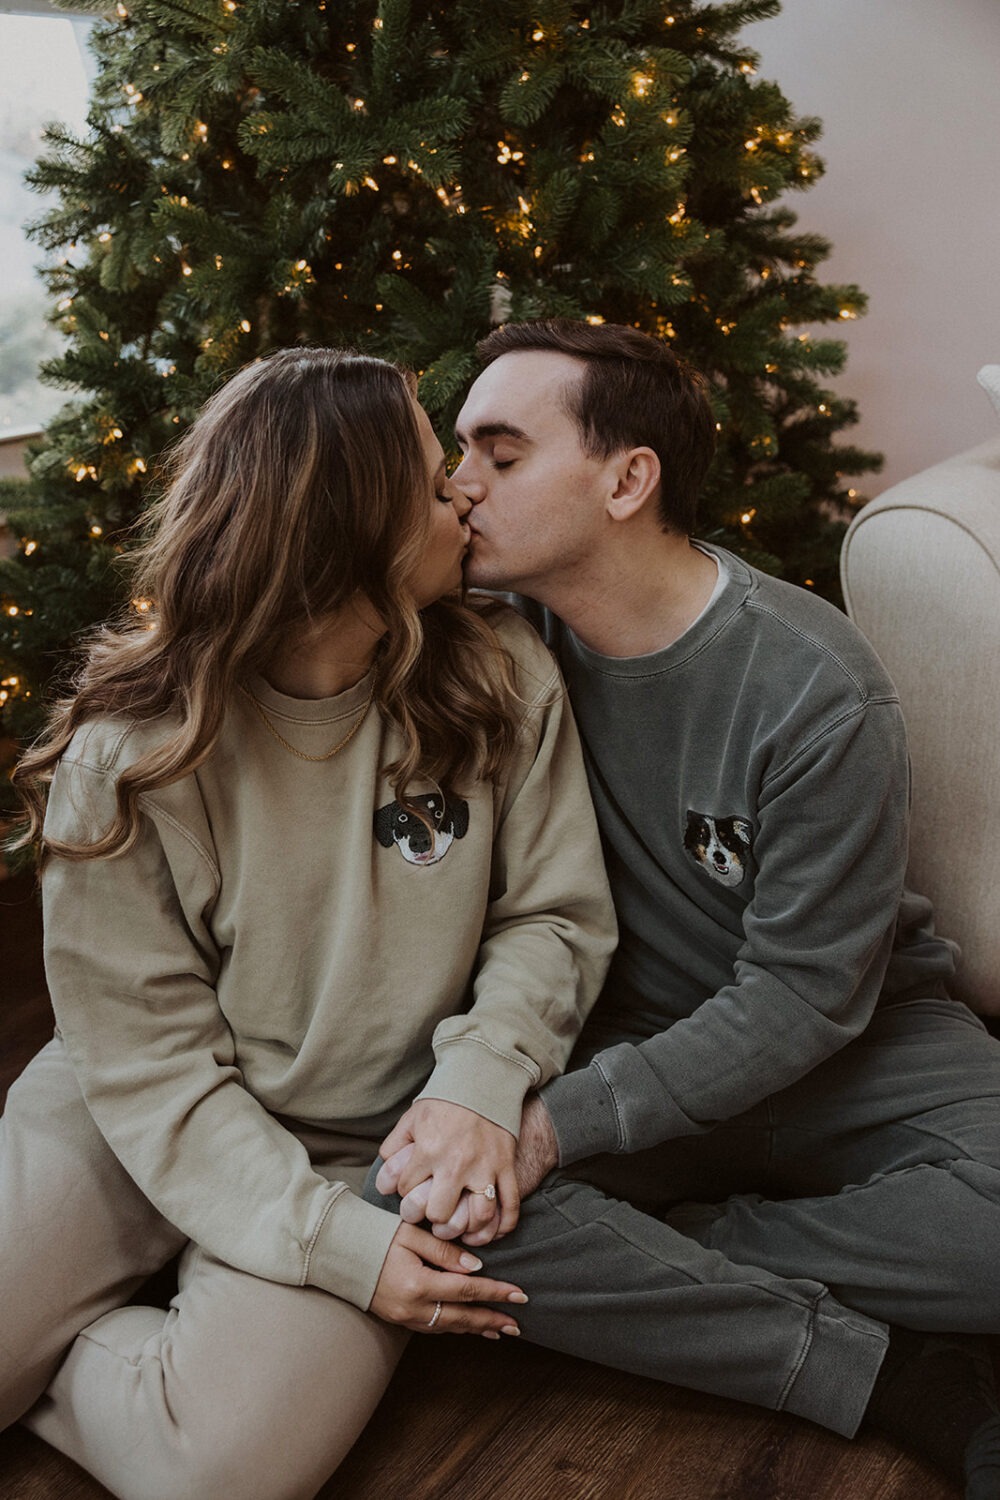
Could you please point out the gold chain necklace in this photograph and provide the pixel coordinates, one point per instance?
(327, 754)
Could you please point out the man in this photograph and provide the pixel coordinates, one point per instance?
(774, 1040)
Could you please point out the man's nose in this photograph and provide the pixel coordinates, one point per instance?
(465, 480)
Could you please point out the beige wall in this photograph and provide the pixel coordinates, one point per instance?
(909, 94)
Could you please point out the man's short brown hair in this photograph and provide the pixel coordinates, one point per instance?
(634, 393)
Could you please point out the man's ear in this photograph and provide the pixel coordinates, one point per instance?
(637, 479)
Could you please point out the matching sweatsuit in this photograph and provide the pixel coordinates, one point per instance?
(774, 1072)
(245, 1003)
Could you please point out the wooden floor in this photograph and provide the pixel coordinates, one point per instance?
(466, 1419)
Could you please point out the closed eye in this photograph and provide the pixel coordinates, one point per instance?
(503, 463)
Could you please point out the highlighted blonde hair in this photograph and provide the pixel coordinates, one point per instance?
(301, 485)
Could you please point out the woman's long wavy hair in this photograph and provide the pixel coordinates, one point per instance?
(302, 485)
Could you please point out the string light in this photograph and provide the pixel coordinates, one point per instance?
(96, 530)
(29, 548)
(747, 517)
(142, 606)
(538, 36)
(595, 318)
(245, 325)
(641, 83)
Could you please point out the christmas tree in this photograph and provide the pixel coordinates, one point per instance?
(400, 176)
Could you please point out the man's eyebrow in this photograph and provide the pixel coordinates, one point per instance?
(492, 429)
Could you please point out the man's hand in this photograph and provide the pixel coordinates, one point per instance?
(537, 1154)
(454, 1152)
(422, 1287)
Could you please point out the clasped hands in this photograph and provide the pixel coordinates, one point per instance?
(441, 1156)
(438, 1159)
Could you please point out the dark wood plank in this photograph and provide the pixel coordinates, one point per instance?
(466, 1419)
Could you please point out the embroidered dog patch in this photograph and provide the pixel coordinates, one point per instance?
(720, 845)
(415, 842)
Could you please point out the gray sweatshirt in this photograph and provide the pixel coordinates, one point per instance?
(751, 783)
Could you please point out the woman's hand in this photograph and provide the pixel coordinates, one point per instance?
(537, 1154)
(422, 1287)
(455, 1151)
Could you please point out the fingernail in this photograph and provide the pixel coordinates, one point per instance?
(490, 1334)
(470, 1262)
(512, 1329)
(517, 1297)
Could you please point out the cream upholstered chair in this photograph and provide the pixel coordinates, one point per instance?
(921, 574)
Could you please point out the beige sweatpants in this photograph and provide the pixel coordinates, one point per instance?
(244, 1388)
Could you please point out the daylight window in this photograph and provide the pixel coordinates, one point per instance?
(44, 72)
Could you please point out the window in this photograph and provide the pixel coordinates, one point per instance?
(44, 76)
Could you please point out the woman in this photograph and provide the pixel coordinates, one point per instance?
(297, 801)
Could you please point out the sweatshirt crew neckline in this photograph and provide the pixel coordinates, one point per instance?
(311, 710)
(736, 585)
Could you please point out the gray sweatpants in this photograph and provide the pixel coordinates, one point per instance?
(869, 1191)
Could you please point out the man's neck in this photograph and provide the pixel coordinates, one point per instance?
(637, 604)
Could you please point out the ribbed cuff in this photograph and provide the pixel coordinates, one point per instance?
(834, 1382)
(583, 1113)
(471, 1073)
(349, 1250)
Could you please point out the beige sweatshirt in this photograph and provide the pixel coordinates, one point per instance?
(280, 943)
